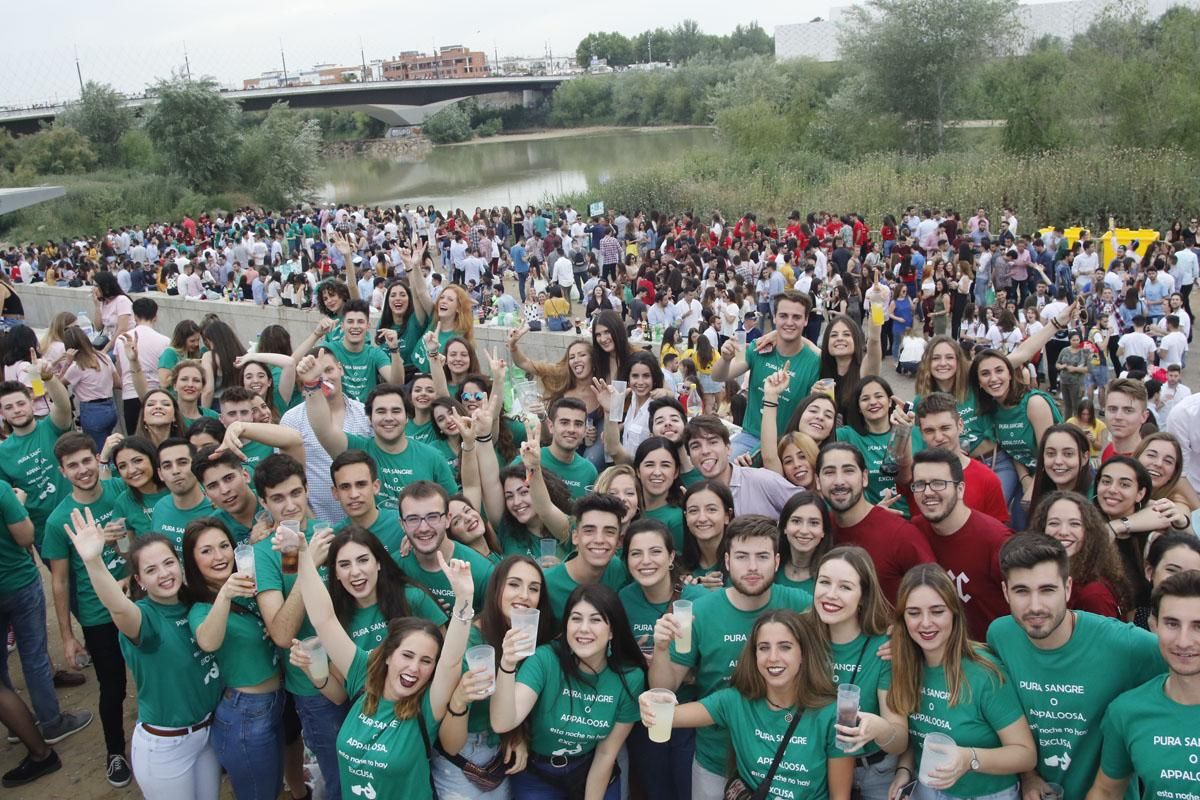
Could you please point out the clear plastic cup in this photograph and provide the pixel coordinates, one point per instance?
(682, 609)
(319, 669)
(123, 543)
(526, 619)
(289, 552)
(1053, 791)
(616, 412)
(483, 655)
(243, 557)
(549, 553)
(740, 338)
(936, 752)
(848, 698)
(662, 703)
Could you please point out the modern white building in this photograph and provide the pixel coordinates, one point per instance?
(818, 39)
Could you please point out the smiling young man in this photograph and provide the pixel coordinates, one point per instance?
(755, 490)
(721, 624)
(894, 544)
(596, 537)
(187, 500)
(966, 542)
(1153, 731)
(1051, 653)
(27, 455)
(1125, 411)
(568, 424)
(791, 352)
(355, 486)
(363, 363)
(423, 513)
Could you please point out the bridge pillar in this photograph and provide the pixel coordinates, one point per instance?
(532, 97)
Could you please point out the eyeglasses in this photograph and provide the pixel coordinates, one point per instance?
(467, 397)
(938, 485)
(413, 521)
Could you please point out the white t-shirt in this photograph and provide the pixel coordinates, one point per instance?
(1137, 344)
(1174, 345)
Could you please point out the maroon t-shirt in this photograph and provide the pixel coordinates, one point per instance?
(1096, 597)
(972, 557)
(893, 544)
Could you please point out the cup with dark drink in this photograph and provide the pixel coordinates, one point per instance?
(289, 546)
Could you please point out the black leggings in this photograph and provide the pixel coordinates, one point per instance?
(133, 409)
(103, 645)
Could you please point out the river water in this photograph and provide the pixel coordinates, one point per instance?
(505, 172)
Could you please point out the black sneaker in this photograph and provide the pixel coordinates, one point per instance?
(119, 773)
(70, 722)
(29, 770)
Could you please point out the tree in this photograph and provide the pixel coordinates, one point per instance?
(614, 48)
(451, 124)
(279, 158)
(195, 130)
(917, 55)
(101, 116)
(750, 40)
(56, 151)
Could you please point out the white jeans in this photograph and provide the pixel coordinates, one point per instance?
(175, 767)
(706, 785)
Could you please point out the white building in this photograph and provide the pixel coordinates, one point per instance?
(819, 39)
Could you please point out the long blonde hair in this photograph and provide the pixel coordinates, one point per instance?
(58, 326)
(924, 384)
(908, 660)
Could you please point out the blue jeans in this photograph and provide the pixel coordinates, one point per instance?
(923, 792)
(744, 442)
(528, 785)
(595, 452)
(97, 418)
(25, 611)
(1010, 481)
(521, 278)
(665, 768)
(247, 736)
(873, 780)
(452, 783)
(321, 720)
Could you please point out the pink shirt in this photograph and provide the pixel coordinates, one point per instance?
(112, 309)
(150, 347)
(91, 384)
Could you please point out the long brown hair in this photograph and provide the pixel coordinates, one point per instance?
(1168, 488)
(86, 356)
(814, 682)
(492, 623)
(924, 383)
(908, 660)
(1098, 558)
(874, 610)
(398, 630)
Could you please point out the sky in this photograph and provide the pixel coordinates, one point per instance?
(131, 43)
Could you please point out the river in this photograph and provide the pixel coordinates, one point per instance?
(503, 172)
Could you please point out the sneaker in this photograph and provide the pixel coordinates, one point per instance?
(70, 722)
(29, 770)
(66, 678)
(119, 773)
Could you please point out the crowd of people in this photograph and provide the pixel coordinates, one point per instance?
(711, 554)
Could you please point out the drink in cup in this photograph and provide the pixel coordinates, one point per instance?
(936, 752)
(616, 412)
(662, 703)
(526, 619)
(319, 669)
(877, 313)
(549, 553)
(123, 542)
(483, 655)
(243, 558)
(682, 609)
(848, 697)
(289, 553)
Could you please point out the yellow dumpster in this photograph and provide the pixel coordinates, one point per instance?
(1072, 235)
(1144, 237)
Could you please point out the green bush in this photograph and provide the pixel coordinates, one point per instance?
(136, 151)
(448, 126)
(277, 162)
(195, 129)
(56, 151)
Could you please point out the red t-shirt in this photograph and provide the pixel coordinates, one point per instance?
(1110, 451)
(893, 544)
(1096, 597)
(982, 488)
(972, 557)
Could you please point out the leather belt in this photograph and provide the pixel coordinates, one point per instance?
(199, 726)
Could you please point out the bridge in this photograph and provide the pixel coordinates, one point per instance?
(393, 102)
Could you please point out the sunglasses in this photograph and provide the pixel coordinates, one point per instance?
(467, 397)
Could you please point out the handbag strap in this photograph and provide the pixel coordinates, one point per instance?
(428, 750)
(761, 792)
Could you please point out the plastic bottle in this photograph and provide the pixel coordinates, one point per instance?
(85, 324)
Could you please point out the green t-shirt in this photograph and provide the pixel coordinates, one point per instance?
(719, 634)
(247, 656)
(137, 512)
(240, 532)
(436, 583)
(412, 344)
(166, 647)
(386, 527)
(396, 470)
(693, 475)
(479, 719)
(519, 541)
(571, 717)
(578, 474)
(423, 432)
(758, 729)
(268, 570)
(855, 662)
(17, 569)
(643, 614)
(804, 369)
(368, 626)
(559, 583)
(808, 584)
(169, 520)
(379, 755)
(1150, 735)
(361, 368)
(1011, 429)
(255, 452)
(87, 606)
(975, 427)
(990, 705)
(874, 448)
(672, 517)
(446, 453)
(1065, 692)
(27, 462)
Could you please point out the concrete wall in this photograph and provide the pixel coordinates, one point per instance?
(43, 302)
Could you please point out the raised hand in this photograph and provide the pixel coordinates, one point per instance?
(776, 384)
(232, 443)
(665, 629)
(604, 393)
(306, 369)
(238, 585)
(390, 338)
(86, 535)
(318, 548)
(481, 418)
(458, 573)
(517, 640)
(531, 455)
(516, 334)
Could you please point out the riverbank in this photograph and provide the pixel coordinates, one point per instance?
(539, 134)
(411, 148)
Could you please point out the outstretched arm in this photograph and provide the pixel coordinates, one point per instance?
(88, 538)
(316, 406)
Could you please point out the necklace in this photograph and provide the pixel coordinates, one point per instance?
(772, 705)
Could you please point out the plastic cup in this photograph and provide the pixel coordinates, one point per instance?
(243, 557)
(848, 698)
(877, 313)
(319, 669)
(549, 553)
(662, 703)
(1053, 791)
(682, 609)
(937, 751)
(526, 619)
(483, 655)
(289, 552)
(740, 338)
(616, 412)
(122, 543)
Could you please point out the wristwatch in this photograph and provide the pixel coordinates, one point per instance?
(974, 760)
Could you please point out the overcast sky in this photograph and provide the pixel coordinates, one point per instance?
(133, 42)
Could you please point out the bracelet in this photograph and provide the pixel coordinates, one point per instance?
(467, 449)
(890, 739)
(323, 685)
(452, 713)
(1186, 524)
(512, 671)
(310, 387)
(1057, 325)
(906, 769)
(465, 614)
(483, 439)
(769, 404)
